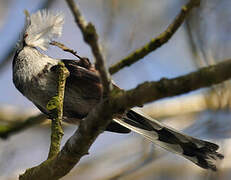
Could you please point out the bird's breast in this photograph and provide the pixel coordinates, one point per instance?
(32, 75)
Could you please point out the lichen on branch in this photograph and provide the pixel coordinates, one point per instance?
(56, 104)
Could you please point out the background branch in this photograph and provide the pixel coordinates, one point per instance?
(7, 130)
(156, 42)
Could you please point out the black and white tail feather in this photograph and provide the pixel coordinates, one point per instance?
(200, 152)
(43, 26)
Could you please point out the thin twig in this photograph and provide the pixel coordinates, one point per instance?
(91, 37)
(156, 42)
(65, 48)
(56, 103)
(96, 121)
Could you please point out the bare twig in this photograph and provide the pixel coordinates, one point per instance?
(156, 42)
(65, 48)
(56, 103)
(95, 123)
(91, 37)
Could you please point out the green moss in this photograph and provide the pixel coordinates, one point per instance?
(53, 103)
(4, 128)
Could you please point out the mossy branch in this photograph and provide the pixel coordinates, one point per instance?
(56, 104)
(155, 42)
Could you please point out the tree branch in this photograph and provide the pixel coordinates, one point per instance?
(97, 120)
(91, 37)
(56, 103)
(156, 42)
(152, 91)
(65, 48)
(7, 130)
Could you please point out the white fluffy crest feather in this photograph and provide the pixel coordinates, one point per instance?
(42, 27)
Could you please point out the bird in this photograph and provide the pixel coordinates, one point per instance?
(35, 76)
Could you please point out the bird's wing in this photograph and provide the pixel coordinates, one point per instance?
(83, 78)
(81, 70)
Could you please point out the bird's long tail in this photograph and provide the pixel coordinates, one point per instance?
(200, 152)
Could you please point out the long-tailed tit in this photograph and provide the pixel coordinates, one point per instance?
(35, 76)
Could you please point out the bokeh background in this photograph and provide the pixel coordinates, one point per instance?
(123, 26)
